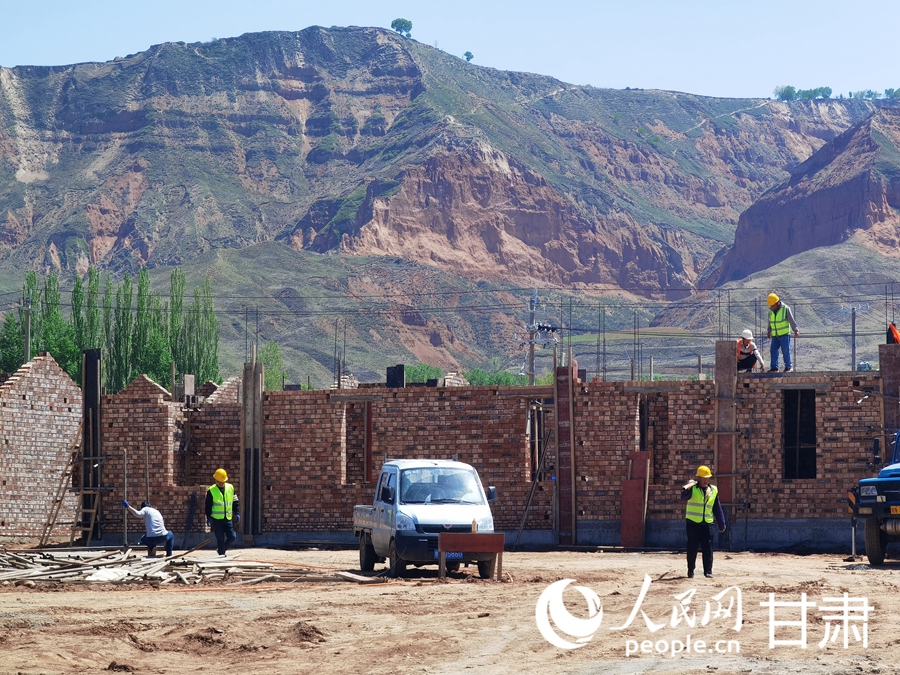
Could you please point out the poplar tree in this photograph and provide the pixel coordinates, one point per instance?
(120, 347)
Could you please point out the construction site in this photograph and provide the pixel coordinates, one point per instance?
(588, 475)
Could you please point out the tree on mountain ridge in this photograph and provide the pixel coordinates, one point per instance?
(402, 26)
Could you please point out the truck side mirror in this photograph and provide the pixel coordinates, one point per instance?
(387, 494)
(491, 494)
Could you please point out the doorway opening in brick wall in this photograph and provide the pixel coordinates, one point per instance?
(538, 430)
(799, 433)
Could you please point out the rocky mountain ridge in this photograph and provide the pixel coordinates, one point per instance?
(358, 141)
(850, 188)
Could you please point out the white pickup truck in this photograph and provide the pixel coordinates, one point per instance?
(415, 500)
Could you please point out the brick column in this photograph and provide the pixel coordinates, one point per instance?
(725, 439)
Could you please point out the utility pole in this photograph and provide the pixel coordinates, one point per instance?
(853, 338)
(28, 330)
(531, 336)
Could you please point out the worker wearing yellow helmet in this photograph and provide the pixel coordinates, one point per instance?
(781, 323)
(703, 508)
(222, 510)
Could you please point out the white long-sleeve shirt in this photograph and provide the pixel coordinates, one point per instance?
(153, 521)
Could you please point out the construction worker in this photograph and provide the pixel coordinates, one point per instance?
(222, 510)
(703, 509)
(781, 323)
(747, 353)
(157, 534)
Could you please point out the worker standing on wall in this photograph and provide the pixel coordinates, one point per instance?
(157, 534)
(748, 355)
(703, 508)
(222, 510)
(781, 323)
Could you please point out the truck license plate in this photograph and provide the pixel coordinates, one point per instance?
(895, 510)
(449, 555)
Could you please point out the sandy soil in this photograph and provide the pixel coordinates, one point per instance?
(420, 624)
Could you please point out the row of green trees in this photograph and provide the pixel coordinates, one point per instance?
(136, 331)
(789, 93)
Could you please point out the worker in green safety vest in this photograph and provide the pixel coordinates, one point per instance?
(222, 510)
(703, 509)
(781, 324)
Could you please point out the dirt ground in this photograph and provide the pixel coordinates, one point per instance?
(420, 624)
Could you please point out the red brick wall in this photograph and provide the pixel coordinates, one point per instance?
(143, 413)
(844, 432)
(40, 409)
(314, 451)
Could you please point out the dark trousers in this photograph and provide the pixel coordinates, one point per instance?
(167, 540)
(224, 530)
(747, 363)
(699, 537)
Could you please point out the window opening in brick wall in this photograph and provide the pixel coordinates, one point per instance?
(643, 421)
(799, 433)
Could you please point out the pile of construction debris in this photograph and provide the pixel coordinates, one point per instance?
(74, 566)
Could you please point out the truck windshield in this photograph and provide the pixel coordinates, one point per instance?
(434, 484)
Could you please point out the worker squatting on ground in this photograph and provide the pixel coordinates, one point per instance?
(747, 353)
(157, 534)
(222, 510)
(781, 323)
(702, 509)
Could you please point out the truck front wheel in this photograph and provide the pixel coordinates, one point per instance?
(486, 569)
(876, 542)
(367, 557)
(397, 564)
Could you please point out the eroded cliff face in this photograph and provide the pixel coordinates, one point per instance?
(848, 189)
(358, 141)
(473, 210)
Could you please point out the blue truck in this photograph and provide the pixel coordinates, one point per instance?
(877, 502)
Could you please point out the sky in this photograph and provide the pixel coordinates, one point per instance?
(726, 48)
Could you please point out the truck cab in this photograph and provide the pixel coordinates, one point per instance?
(877, 501)
(416, 500)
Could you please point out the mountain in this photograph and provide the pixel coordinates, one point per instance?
(359, 141)
(305, 170)
(850, 188)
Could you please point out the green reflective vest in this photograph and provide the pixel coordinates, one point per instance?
(700, 505)
(778, 322)
(221, 507)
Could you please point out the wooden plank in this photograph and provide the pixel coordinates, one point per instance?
(358, 578)
(632, 517)
(466, 542)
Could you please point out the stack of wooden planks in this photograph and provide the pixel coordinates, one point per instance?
(73, 566)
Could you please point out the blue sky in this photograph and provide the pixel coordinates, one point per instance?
(708, 47)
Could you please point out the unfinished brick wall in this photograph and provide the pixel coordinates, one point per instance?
(318, 445)
(314, 454)
(606, 431)
(690, 442)
(40, 410)
(844, 432)
(142, 418)
(213, 440)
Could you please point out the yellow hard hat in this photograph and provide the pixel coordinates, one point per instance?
(220, 475)
(772, 299)
(704, 472)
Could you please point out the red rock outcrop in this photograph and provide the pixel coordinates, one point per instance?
(849, 188)
(473, 211)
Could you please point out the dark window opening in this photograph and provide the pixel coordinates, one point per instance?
(799, 433)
